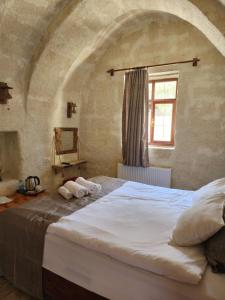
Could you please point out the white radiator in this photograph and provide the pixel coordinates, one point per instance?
(150, 175)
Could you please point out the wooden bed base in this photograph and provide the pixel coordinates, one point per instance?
(58, 288)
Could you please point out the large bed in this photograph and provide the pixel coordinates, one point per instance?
(115, 280)
(119, 248)
(105, 252)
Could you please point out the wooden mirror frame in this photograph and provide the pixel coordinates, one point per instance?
(58, 134)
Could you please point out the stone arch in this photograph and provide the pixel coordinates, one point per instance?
(89, 26)
(60, 55)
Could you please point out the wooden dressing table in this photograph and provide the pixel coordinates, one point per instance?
(19, 199)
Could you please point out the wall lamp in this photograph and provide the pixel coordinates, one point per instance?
(4, 93)
(71, 109)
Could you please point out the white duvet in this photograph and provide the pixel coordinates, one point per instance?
(133, 224)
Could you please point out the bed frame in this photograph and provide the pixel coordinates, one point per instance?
(58, 288)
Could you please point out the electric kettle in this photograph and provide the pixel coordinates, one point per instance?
(31, 182)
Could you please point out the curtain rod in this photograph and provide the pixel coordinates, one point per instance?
(194, 62)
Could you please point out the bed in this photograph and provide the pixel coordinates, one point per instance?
(22, 234)
(114, 280)
(118, 248)
(72, 269)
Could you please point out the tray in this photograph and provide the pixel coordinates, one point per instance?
(33, 193)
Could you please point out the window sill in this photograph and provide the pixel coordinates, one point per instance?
(161, 147)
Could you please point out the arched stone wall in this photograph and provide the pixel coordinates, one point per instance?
(91, 23)
(84, 31)
(200, 104)
(49, 45)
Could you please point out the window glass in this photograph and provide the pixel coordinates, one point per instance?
(163, 122)
(165, 90)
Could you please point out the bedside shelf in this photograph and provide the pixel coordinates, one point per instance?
(61, 167)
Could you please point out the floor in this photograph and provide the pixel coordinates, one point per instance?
(8, 292)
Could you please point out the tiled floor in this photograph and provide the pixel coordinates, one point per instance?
(8, 292)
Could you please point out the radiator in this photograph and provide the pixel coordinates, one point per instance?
(150, 175)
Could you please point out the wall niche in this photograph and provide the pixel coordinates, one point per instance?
(10, 160)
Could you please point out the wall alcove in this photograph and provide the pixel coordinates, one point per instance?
(10, 159)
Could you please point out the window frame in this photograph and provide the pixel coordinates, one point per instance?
(152, 104)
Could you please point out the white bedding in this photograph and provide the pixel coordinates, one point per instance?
(115, 280)
(133, 224)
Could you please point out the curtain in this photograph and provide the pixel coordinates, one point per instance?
(135, 119)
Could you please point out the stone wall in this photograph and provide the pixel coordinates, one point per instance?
(199, 154)
(49, 49)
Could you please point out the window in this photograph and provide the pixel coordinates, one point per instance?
(162, 111)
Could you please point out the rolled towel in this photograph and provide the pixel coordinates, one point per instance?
(76, 189)
(93, 188)
(65, 193)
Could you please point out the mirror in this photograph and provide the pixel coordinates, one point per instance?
(66, 140)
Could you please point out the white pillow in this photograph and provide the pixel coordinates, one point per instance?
(204, 218)
(216, 186)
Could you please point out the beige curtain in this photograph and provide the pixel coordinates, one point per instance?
(135, 119)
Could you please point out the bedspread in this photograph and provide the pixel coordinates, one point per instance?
(22, 233)
(133, 224)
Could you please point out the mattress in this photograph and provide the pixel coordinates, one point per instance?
(116, 280)
(134, 224)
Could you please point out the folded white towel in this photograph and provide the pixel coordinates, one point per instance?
(76, 189)
(93, 188)
(65, 193)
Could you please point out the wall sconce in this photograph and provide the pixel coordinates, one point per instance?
(71, 109)
(4, 93)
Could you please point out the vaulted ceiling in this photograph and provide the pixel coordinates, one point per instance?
(53, 37)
